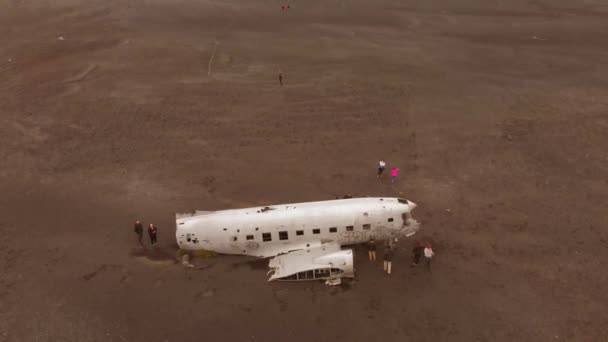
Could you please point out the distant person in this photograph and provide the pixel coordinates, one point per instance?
(394, 173)
(381, 167)
(281, 79)
(417, 253)
(428, 255)
(388, 260)
(138, 228)
(371, 250)
(152, 231)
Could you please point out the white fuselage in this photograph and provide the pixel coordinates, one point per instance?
(278, 229)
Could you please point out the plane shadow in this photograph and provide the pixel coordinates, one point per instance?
(254, 264)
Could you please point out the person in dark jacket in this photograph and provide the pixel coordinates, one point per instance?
(371, 249)
(388, 260)
(152, 231)
(138, 228)
(417, 253)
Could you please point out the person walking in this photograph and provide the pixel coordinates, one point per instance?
(152, 231)
(417, 253)
(388, 260)
(381, 167)
(371, 249)
(394, 173)
(281, 79)
(428, 255)
(138, 228)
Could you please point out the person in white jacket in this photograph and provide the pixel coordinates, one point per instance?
(381, 167)
(428, 255)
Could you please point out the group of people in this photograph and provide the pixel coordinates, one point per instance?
(382, 167)
(389, 251)
(138, 228)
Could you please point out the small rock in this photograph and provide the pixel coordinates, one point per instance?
(185, 259)
(60, 38)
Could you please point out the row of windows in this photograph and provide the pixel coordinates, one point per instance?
(284, 235)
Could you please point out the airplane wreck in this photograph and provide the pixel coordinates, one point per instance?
(303, 240)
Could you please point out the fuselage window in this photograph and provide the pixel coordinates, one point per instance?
(316, 231)
(367, 226)
(249, 237)
(333, 230)
(283, 236)
(350, 228)
(390, 219)
(322, 272)
(299, 232)
(266, 237)
(336, 271)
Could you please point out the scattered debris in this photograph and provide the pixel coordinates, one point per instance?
(211, 58)
(334, 281)
(10, 60)
(186, 261)
(448, 210)
(60, 38)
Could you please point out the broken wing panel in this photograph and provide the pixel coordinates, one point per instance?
(325, 262)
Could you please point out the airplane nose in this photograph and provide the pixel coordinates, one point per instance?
(411, 204)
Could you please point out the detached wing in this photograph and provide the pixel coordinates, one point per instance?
(325, 262)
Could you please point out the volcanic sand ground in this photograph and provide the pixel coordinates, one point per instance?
(496, 113)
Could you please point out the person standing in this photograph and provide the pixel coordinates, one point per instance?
(388, 260)
(138, 228)
(417, 253)
(281, 79)
(381, 167)
(152, 231)
(371, 250)
(428, 255)
(394, 173)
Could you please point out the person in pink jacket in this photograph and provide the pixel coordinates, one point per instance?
(394, 173)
